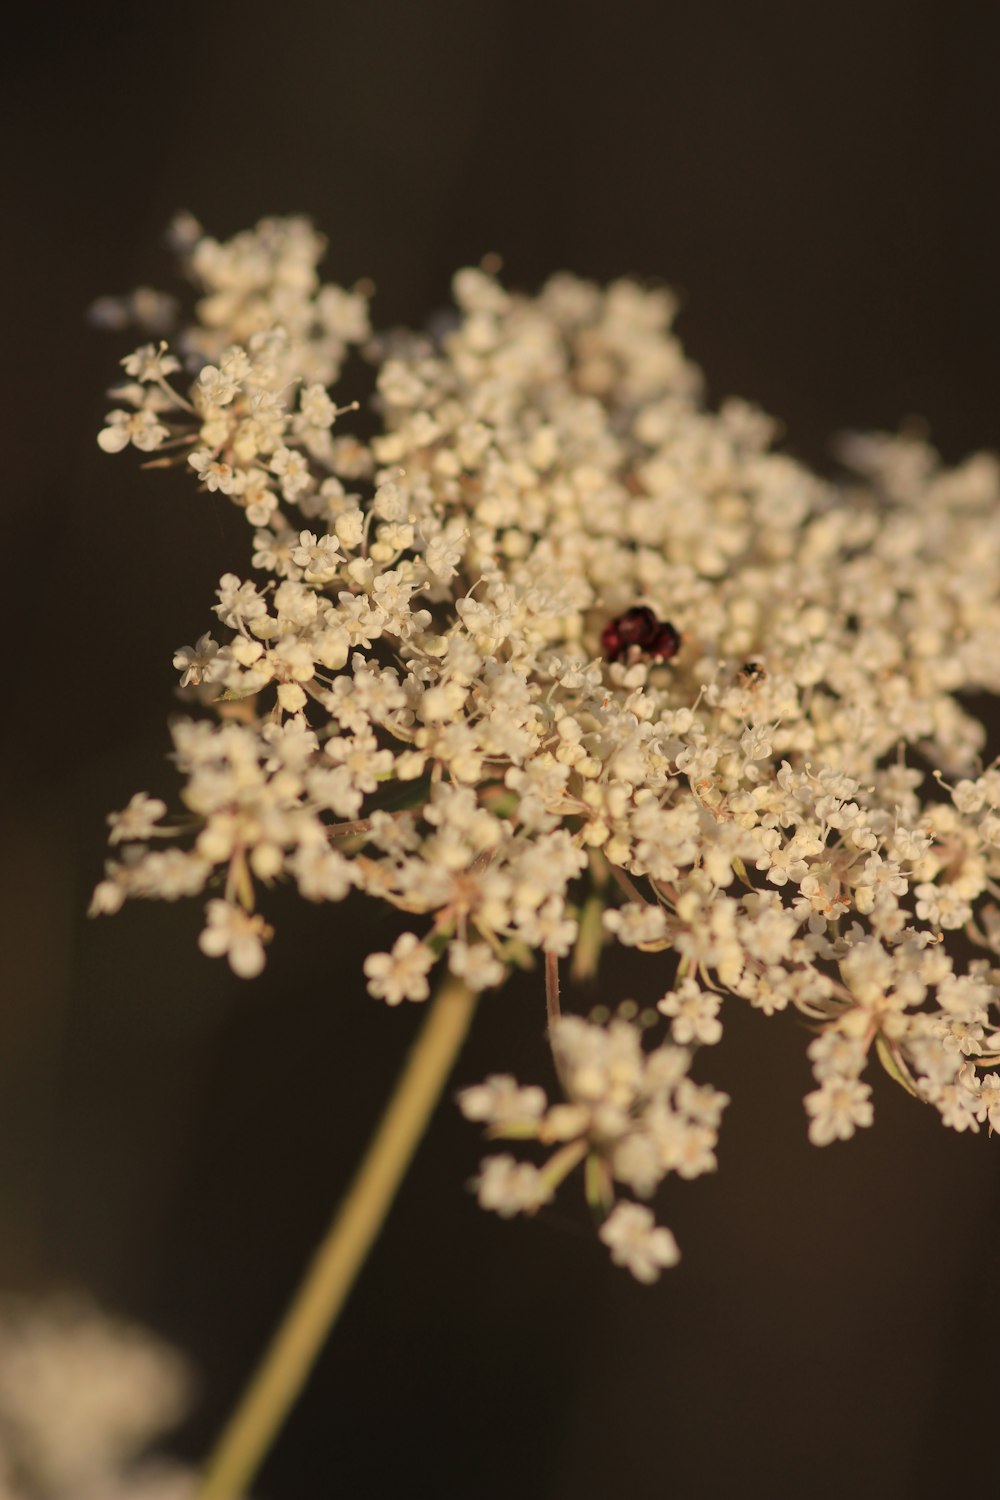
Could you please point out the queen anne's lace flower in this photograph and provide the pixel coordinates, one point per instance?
(82, 1396)
(637, 1242)
(401, 974)
(238, 934)
(559, 657)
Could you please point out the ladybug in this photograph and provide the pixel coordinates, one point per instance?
(639, 627)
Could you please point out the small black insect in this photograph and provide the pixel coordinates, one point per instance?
(751, 673)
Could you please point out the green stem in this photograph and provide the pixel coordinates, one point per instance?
(286, 1364)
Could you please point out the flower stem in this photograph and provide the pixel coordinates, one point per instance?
(552, 989)
(287, 1362)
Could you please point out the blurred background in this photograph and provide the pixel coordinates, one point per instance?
(820, 185)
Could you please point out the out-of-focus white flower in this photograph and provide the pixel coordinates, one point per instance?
(81, 1396)
(637, 1242)
(401, 974)
(510, 1187)
(837, 1108)
(139, 819)
(237, 934)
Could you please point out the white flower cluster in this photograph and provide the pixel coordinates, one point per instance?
(560, 657)
(82, 1396)
(632, 1116)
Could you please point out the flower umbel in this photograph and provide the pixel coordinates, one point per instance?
(560, 657)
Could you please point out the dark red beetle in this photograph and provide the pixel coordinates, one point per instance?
(639, 627)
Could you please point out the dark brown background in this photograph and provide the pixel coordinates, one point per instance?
(820, 184)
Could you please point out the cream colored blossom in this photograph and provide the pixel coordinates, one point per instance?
(638, 1243)
(559, 657)
(82, 1395)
